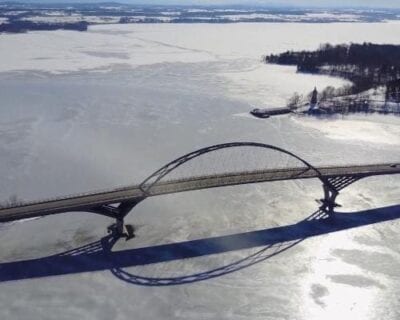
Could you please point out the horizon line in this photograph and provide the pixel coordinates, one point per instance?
(188, 5)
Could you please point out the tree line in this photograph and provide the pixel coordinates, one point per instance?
(366, 65)
(20, 26)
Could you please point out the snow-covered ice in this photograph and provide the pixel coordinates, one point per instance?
(90, 110)
(371, 129)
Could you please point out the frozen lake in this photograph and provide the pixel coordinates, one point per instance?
(87, 111)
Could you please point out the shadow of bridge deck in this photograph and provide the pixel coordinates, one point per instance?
(98, 256)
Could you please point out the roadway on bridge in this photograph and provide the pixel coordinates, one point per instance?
(86, 201)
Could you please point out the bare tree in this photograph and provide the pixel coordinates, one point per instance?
(294, 101)
(328, 93)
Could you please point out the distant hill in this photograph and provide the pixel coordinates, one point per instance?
(51, 15)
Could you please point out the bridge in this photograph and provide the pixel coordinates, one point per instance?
(117, 203)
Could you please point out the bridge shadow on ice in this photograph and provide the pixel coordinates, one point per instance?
(98, 255)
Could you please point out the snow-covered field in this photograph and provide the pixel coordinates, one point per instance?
(104, 108)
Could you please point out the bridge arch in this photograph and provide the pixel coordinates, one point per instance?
(154, 178)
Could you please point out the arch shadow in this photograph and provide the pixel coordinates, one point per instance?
(98, 256)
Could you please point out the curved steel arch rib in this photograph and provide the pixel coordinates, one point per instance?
(152, 180)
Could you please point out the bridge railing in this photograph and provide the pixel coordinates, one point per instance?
(270, 157)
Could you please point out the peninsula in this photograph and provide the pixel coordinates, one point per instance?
(373, 70)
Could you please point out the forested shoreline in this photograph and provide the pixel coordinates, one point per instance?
(366, 65)
(20, 26)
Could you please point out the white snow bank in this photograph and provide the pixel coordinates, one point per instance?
(355, 130)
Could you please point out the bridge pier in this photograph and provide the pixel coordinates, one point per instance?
(329, 201)
(332, 186)
(118, 227)
(118, 213)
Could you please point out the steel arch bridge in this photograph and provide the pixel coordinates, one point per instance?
(152, 180)
(117, 203)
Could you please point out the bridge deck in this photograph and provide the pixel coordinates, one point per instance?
(87, 201)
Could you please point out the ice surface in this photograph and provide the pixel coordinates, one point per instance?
(85, 111)
(363, 130)
(62, 51)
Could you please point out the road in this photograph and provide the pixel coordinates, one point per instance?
(84, 202)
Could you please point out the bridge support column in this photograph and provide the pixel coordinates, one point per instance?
(328, 203)
(119, 226)
(118, 213)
